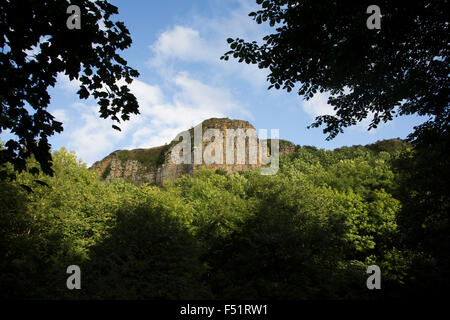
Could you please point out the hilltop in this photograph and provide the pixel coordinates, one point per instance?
(155, 165)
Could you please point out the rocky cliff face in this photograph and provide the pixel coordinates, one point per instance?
(156, 165)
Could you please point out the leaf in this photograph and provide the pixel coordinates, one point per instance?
(42, 183)
(83, 92)
(91, 57)
(27, 188)
(34, 171)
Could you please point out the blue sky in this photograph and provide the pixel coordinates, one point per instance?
(176, 48)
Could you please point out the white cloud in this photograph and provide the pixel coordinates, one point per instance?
(64, 83)
(60, 115)
(94, 137)
(204, 41)
(159, 121)
(318, 106)
(235, 24)
(182, 43)
(203, 96)
(183, 99)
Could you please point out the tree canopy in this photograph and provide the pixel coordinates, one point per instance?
(308, 232)
(400, 69)
(36, 45)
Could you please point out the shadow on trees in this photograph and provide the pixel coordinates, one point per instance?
(282, 255)
(423, 188)
(270, 244)
(33, 260)
(147, 255)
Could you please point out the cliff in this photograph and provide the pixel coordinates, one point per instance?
(156, 165)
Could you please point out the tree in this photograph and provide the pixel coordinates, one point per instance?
(399, 69)
(424, 181)
(37, 44)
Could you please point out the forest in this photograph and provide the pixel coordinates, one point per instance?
(308, 232)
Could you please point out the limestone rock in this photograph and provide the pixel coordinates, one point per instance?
(156, 165)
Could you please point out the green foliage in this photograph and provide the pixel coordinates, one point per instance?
(107, 171)
(52, 227)
(150, 158)
(161, 157)
(282, 144)
(423, 175)
(391, 145)
(221, 172)
(149, 254)
(88, 54)
(319, 46)
(308, 232)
